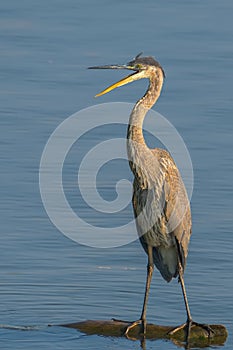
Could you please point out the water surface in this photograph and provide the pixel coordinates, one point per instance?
(45, 277)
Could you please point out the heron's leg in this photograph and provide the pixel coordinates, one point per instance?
(181, 279)
(150, 269)
(189, 323)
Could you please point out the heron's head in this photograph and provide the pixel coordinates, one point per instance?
(142, 67)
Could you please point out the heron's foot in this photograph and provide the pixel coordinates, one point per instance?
(189, 324)
(131, 325)
(136, 323)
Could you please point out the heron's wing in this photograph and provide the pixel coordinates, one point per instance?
(161, 204)
(176, 206)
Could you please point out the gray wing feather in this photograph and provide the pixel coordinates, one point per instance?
(175, 221)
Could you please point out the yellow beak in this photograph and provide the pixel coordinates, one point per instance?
(130, 78)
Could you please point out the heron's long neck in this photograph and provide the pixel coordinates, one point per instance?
(136, 146)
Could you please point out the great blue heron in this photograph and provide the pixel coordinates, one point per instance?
(160, 202)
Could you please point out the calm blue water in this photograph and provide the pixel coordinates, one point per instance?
(45, 49)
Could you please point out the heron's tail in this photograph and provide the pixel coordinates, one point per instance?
(165, 259)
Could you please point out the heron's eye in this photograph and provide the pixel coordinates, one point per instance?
(138, 66)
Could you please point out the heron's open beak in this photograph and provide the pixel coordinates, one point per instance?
(124, 81)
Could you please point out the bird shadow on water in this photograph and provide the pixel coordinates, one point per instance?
(184, 345)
